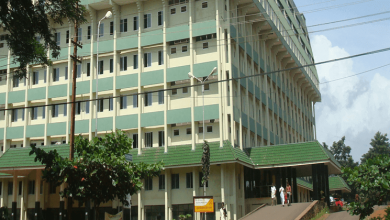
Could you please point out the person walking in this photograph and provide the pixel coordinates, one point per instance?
(281, 190)
(273, 194)
(288, 189)
(223, 212)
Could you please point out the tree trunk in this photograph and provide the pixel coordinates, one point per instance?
(97, 214)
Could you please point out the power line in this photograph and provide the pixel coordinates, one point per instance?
(225, 80)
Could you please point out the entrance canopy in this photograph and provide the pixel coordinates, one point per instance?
(298, 155)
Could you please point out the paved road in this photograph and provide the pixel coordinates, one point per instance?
(344, 215)
(278, 212)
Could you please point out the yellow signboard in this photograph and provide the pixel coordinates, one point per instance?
(203, 204)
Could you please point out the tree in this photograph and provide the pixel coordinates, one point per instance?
(341, 152)
(99, 171)
(372, 180)
(380, 146)
(26, 22)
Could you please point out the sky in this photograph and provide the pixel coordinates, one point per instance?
(356, 107)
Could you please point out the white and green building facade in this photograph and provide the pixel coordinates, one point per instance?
(146, 50)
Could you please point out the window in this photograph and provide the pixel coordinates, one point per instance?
(100, 71)
(135, 140)
(173, 11)
(176, 132)
(14, 115)
(100, 105)
(101, 30)
(54, 111)
(135, 101)
(111, 104)
(147, 20)
(174, 91)
(135, 23)
(79, 34)
(123, 25)
(135, 61)
(210, 128)
(56, 74)
(161, 181)
(88, 69)
(147, 59)
(31, 187)
(1, 183)
(112, 65)
(35, 78)
(205, 45)
(34, 113)
(149, 183)
(173, 50)
(160, 97)
(10, 187)
(185, 90)
(183, 8)
(200, 180)
(44, 76)
(89, 33)
(87, 107)
(160, 18)
(184, 49)
(204, 5)
(78, 108)
(78, 71)
(20, 187)
(66, 73)
(149, 139)
(123, 64)
(123, 102)
(67, 37)
(175, 181)
(52, 188)
(188, 131)
(58, 38)
(161, 138)
(66, 110)
(189, 178)
(160, 58)
(16, 82)
(206, 87)
(200, 130)
(148, 99)
(111, 28)
(43, 112)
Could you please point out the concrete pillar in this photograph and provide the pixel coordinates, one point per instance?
(315, 181)
(278, 183)
(38, 175)
(295, 185)
(14, 195)
(284, 176)
(326, 175)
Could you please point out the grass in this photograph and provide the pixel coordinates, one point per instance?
(321, 213)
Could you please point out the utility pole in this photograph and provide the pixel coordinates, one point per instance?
(73, 108)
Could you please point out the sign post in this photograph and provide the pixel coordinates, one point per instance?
(203, 204)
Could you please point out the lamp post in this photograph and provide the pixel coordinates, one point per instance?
(108, 15)
(202, 82)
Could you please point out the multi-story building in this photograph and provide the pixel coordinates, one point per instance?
(260, 97)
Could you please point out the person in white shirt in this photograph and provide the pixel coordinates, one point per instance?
(273, 195)
(281, 190)
(223, 212)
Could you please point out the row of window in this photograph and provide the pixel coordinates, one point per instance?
(175, 181)
(30, 188)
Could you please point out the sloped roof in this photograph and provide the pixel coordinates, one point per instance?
(338, 183)
(19, 157)
(304, 184)
(285, 154)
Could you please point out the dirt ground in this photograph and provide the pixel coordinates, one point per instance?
(379, 211)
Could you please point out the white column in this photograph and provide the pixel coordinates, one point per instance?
(93, 71)
(192, 51)
(220, 73)
(69, 81)
(166, 93)
(140, 66)
(117, 15)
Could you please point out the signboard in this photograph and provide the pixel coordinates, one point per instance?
(118, 216)
(129, 157)
(203, 204)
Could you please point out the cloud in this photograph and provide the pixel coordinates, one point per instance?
(354, 107)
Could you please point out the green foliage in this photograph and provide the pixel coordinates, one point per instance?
(4, 215)
(25, 20)
(372, 181)
(379, 146)
(206, 162)
(341, 152)
(99, 171)
(184, 217)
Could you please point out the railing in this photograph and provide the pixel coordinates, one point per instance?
(273, 17)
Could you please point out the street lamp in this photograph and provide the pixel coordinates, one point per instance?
(202, 82)
(108, 15)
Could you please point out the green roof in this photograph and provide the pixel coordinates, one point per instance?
(294, 153)
(19, 157)
(304, 183)
(338, 183)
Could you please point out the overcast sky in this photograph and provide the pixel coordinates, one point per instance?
(356, 107)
